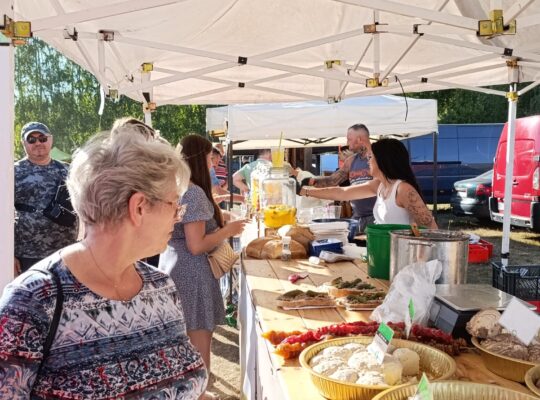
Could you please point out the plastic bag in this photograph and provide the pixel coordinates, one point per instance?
(417, 282)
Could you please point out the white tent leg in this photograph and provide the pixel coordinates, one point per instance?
(6, 157)
(509, 178)
(148, 118)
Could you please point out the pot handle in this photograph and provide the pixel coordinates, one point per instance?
(427, 244)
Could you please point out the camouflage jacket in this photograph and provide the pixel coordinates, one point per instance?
(35, 185)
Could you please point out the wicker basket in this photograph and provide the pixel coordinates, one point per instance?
(436, 363)
(507, 367)
(457, 390)
(531, 377)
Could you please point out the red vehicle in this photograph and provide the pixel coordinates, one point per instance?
(526, 180)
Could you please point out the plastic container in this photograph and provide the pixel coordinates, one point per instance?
(378, 249)
(522, 281)
(353, 225)
(480, 252)
(333, 245)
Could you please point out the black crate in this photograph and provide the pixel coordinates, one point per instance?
(522, 281)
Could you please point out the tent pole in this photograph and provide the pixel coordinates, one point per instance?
(7, 114)
(509, 178)
(148, 118)
(435, 173)
(229, 174)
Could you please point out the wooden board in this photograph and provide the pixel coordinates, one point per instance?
(267, 279)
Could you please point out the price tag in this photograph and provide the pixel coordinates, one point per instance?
(409, 317)
(380, 343)
(423, 392)
(513, 319)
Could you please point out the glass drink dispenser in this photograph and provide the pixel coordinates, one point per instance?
(278, 199)
(257, 176)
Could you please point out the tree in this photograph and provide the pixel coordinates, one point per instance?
(456, 106)
(52, 89)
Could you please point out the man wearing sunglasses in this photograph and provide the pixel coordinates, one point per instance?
(37, 178)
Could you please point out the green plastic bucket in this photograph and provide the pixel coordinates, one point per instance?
(378, 248)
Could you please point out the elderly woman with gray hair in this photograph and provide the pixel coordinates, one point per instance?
(117, 323)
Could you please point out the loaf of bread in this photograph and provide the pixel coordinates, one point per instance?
(273, 249)
(299, 233)
(254, 248)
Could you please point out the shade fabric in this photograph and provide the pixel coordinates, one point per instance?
(257, 51)
(322, 123)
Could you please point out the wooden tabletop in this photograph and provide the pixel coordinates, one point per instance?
(267, 279)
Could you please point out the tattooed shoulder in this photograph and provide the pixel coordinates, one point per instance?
(416, 207)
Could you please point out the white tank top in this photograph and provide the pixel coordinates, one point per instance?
(386, 211)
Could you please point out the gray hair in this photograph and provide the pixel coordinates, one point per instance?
(112, 166)
(133, 125)
(360, 129)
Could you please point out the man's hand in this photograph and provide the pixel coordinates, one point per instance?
(17, 267)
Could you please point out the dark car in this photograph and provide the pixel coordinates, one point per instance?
(471, 196)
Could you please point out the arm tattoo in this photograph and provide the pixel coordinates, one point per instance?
(336, 178)
(417, 209)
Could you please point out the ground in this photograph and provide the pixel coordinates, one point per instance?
(524, 250)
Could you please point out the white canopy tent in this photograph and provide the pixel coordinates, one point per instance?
(252, 51)
(318, 123)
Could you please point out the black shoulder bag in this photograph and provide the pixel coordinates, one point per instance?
(60, 210)
(56, 317)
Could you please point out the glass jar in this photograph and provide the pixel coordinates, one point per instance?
(278, 199)
(261, 172)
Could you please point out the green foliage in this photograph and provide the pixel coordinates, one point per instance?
(456, 106)
(51, 89)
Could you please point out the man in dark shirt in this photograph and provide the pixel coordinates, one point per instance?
(356, 170)
(37, 177)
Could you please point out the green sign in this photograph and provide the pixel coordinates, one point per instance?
(411, 309)
(386, 332)
(424, 390)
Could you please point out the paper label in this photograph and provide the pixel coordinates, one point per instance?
(520, 320)
(423, 391)
(409, 317)
(381, 341)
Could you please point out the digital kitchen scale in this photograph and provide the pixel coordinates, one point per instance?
(454, 305)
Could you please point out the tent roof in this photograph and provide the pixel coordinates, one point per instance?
(253, 51)
(325, 124)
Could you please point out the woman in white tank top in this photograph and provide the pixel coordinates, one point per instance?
(386, 209)
(399, 200)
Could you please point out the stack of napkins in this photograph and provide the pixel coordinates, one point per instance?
(327, 230)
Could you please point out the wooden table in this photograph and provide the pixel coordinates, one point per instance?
(266, 375)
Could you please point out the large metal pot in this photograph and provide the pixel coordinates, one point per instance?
(450, 248)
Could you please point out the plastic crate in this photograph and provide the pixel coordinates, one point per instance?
(522, 281)
(480, 252)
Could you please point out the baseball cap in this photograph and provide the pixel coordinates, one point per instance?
(34, 127)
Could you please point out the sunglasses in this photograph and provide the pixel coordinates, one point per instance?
(34, 139)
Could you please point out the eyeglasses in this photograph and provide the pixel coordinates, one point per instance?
(34, 139)
(147, 131)
(180, 210)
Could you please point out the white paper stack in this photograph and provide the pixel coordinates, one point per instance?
(330, 230)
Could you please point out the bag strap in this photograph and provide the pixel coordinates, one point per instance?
(53, 327)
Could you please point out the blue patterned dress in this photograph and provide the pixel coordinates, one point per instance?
(198, 289)
(103, 349)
